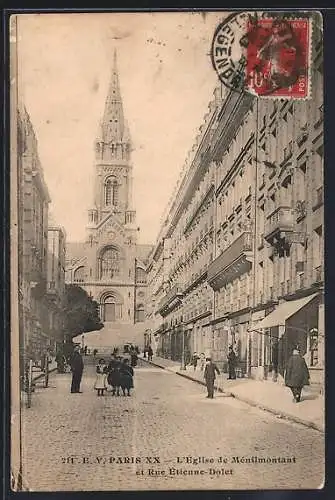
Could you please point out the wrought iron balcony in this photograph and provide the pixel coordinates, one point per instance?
(232, 262)
(171, 300)
(279, 223)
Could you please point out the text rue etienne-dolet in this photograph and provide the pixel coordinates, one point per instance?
(182, 465)
(209, 466)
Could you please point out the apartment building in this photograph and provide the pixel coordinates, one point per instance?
(56, 280)
(242, 243)
(33, 202)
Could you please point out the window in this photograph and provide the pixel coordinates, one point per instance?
(111, 308)
(110, 263)
(139, 316)
(141, 276)
(79, 275)
(317, 246)
(111, 192)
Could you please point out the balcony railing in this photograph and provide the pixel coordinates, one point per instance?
(232, 262)
(171, 299)
(280, 220)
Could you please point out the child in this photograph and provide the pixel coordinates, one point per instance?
(101, 380)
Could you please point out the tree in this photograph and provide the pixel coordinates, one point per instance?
(81, 312)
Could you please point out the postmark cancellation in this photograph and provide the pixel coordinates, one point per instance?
(266, 54)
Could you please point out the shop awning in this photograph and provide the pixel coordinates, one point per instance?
(283, 312)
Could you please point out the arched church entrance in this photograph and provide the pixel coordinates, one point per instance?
(111, 307)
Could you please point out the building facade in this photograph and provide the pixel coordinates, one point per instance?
(110, 265)
(242, 243)
(56, 281)
(33, 202)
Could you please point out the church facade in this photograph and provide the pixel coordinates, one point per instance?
(110, 265)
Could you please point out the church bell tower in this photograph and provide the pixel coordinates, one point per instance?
(113, 181)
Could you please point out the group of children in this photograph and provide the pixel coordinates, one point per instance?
(118, 374)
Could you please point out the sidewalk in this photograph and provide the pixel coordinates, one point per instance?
(266, 395)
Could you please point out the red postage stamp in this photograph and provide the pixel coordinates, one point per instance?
(277, 57)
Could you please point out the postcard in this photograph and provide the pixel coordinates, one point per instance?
(167, 251)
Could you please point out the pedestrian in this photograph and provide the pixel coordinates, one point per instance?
(95, 352)
(232, 361)
(101, 380)
(126, 377)
(296, 375)
(113, 375)
(133, 357)
(194, 361)
(209, 376)
(61, 362)
(77, 367)
(150, 353)
(202, 361)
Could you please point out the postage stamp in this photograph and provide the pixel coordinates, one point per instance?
(266, 55)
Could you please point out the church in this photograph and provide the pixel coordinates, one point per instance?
(110, 265)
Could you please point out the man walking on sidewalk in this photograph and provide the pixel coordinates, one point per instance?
(296, 375)
(209, 376)
(77, 367)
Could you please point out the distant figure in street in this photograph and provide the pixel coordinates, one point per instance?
(232, 361)
(209, 376)
(95, 352)
(115, 351)
(126, 377)
(85, 350)
(150, 353)
(133, 357)
(202, 361)
(77, 367)
(101, 380)
(113, 375)
(194, 361)
(61, 362)
(296, 375)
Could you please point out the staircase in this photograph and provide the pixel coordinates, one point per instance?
(111, 335)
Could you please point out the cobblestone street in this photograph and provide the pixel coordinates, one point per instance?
(74, 442)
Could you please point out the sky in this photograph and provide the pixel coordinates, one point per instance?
(166, 79)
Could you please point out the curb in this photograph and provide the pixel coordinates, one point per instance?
(277, 413)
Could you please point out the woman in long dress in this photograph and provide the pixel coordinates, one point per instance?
(126, 377)
(101, 381)
(113, 377)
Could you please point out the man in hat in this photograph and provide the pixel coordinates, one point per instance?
(231, 363)
(296, 375)
(77, 367)
(209, 376)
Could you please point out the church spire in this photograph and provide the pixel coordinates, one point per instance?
(113, 122)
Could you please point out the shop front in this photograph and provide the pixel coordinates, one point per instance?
(292, 324)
